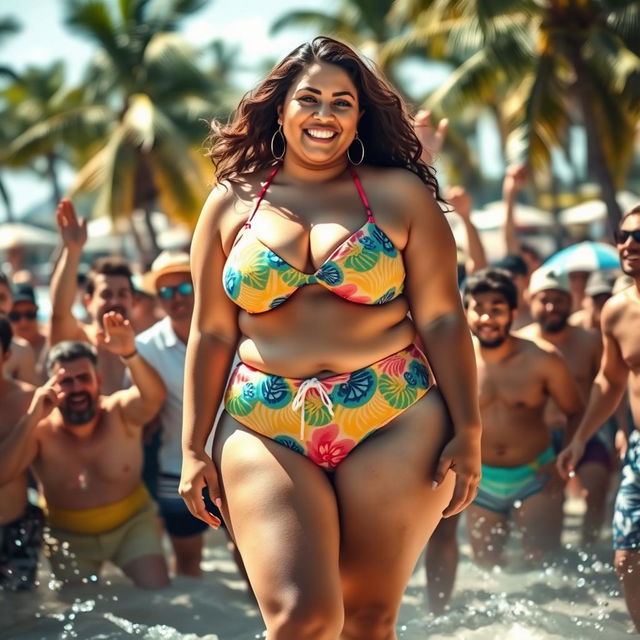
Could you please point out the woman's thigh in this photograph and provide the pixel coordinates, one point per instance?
(388, 508)
(281, 511)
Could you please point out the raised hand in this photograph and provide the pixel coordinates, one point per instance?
(515, 178)
(73, 231)
(460, 200)
(430, 138)
(47, 397)
(117, 335)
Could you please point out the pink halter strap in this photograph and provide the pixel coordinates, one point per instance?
(356, 180)
(265, 186)
(363, 195)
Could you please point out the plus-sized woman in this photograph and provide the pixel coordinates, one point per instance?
(324, 260)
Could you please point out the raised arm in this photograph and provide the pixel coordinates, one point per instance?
(73, 233)
(514, 179)
(213, 339)
(19, 446)
(142, 401)
(436, 308)
(431, 138)
(460, 200)
(606, 393)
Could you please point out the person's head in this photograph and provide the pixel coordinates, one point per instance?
(6, 295)
(628, 242)
(531, 256)
(515, 264)
(24, 312)
(550, 299)
(322, 93)
(6, 335)
(108, 288)
(170, 278)
(143, 310)
(80, 382)
(490, 299)
(599, 289)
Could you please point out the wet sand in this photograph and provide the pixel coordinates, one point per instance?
(577, 596)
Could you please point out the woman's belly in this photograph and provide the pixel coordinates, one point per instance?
(316, 333)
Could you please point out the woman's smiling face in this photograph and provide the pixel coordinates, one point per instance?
(320, 115)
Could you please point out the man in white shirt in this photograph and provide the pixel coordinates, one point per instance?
(164, 347)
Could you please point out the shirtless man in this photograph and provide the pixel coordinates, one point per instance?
(109, 288)
(21, 363)
(86, 451)
(20, 521)
(24, 322)
(516, 379)
(620, 365)
(550, 303)
(519, 484)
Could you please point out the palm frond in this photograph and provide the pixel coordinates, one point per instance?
(323, 22)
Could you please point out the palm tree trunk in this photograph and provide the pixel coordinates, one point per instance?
(145, 196)
(597, 159)
(6, 199)
(52, 170)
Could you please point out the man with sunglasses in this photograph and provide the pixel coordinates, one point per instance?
(620, 365)
(164, 347)
(24, 322)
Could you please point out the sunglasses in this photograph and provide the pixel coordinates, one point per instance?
(16, 316)
(622, 235)
(184, 289)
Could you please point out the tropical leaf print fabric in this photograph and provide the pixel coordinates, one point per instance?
(362, 402)
(366, 268)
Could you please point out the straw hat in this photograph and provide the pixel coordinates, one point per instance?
(166, 262)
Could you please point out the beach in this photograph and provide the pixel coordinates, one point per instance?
(575, 596)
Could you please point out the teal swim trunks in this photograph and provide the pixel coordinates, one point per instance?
(501, 487)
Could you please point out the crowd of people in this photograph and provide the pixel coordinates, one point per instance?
(103, 413)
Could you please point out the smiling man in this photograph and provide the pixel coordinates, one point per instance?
(619, 367)
(86, 451)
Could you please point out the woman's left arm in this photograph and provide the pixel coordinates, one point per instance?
(437, 312)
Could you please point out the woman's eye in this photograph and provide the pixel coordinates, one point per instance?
(307, 99)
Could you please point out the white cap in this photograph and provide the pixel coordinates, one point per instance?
(545, 279)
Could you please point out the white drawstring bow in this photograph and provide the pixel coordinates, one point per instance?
(298, 400)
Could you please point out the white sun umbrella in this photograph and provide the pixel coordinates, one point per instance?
(18, 234)
(494, 214)
(596, 210)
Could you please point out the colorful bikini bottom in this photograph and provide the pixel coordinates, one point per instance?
(324, 419)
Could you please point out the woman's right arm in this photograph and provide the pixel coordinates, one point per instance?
(213, 338)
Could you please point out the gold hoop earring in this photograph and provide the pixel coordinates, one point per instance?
(284, 143)
(355, 164)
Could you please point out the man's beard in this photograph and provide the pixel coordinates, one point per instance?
(78, 417)
(634, 272)
(496, 342)
(555, 326)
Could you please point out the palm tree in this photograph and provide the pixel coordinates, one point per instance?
(553, 63)
(160, 100)
(363, 23)
(8, 26)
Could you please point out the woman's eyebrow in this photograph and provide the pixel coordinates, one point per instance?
(318, 92)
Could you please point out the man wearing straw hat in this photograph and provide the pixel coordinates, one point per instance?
(164, 346)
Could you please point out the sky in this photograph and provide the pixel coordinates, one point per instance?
(44, 38)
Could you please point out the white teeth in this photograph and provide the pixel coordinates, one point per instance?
(321, 133)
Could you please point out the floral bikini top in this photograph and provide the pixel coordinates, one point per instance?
(366, 268)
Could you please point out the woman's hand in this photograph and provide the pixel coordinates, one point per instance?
(462, 456)
(199, 471)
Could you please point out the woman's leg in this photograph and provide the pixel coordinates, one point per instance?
(281, 510)
(388, 510)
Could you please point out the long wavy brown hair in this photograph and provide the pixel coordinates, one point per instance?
(385, 128)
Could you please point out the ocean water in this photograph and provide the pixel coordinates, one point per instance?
(575, 596)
